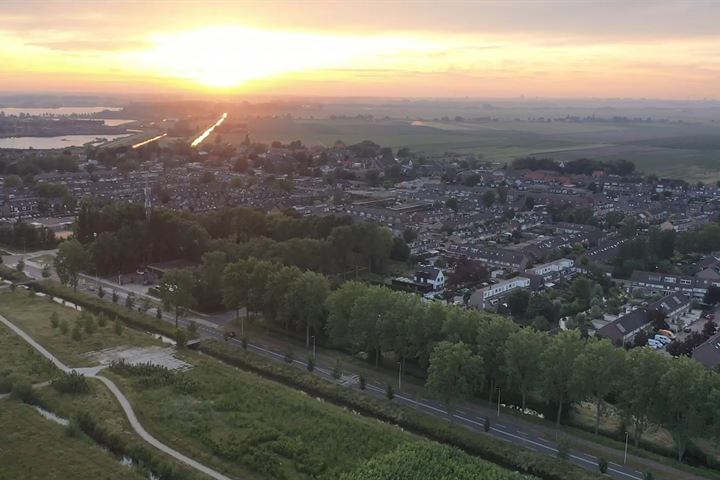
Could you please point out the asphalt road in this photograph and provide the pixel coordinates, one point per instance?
(468, 416)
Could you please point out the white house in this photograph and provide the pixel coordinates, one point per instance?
(433, 276)
(489, 295)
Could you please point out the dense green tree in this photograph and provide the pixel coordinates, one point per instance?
(453, 373)
(681, 392)
(521, 360)
(638, 384)
(305, 297)
(176, 291)
(71, 259)
(236, 286)
(339, 306)
(492, 335)
(558, 365)
(596, 374)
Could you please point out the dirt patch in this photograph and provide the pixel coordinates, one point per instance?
(155, 355)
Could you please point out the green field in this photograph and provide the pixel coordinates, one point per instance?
(34, 448)
(32, 314)
(681, 150)
(250, 427)
(429, 460)
(21, 363)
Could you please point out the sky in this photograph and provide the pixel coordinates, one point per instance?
(392, 48)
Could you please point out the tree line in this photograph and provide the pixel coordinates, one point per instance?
(657, 249)
(580, 166)
(20, 235)
(465, 353)
(119, 238)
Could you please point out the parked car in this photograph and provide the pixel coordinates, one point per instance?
(654, 343)
(662, 339)
(667, 333)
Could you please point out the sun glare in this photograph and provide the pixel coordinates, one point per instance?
(222, 57)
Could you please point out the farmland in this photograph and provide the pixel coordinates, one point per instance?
(681, 150)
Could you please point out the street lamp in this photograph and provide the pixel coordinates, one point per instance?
(314, 351)
(626, 447)
(399, 376)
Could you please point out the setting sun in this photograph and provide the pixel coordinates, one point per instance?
(231, 56)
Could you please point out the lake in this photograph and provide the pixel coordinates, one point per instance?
(46, 143)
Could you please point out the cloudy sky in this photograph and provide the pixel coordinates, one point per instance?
(482, 48)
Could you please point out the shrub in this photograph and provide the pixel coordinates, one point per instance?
(89, 325)
(563, 448)
(389, 392)
(181, 338)
(602, 465)
(484, 446)
(114, 297)
(337, 370)
(486, 424)
(71, 382)
(648, 476)
(25, 393)
(310, 363)
(73, 430)
(101, 292)
(193, 327)
(77, 332)
(54, 320)
(361, 382)
(158, 313)
(64, 328)
(289, 356)
(102, 320)
(244, 342)
(118, 328)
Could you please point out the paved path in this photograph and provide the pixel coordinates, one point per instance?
(122, 399)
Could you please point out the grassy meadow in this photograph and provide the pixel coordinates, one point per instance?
(34, 448)
(33, 315)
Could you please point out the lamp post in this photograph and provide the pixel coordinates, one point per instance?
(313, 340)
(626, 447)
(399, 376)
(498, 411)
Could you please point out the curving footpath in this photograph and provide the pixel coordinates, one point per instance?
(92, 372)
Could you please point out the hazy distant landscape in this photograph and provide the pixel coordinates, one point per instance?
(669, 139)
